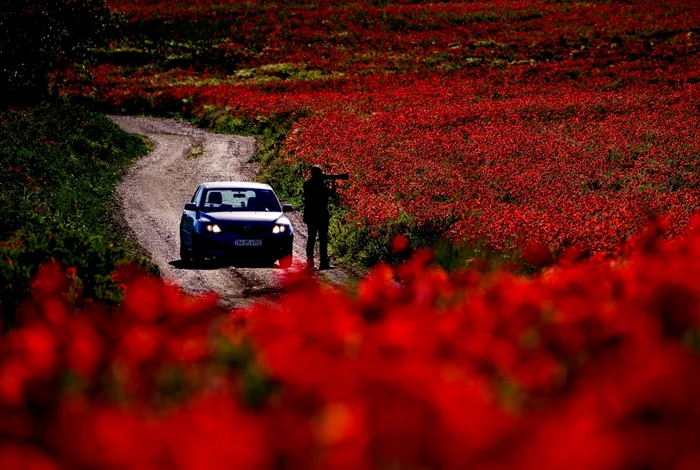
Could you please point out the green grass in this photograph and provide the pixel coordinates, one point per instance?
(59, 167)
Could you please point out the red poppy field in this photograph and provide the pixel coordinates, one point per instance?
(566, 122)
(567, 131)
(592, 365)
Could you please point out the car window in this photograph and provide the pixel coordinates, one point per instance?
(240, 200)
(196, 194)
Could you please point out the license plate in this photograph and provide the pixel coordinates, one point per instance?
(247, 242)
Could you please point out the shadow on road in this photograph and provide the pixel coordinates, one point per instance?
(219, 263)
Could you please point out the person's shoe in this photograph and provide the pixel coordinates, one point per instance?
(325, 266)
(309, 264)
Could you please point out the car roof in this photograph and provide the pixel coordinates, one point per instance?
(235, 184)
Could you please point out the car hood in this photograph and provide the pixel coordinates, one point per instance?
(251, 217)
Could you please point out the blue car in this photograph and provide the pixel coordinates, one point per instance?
(241, 220)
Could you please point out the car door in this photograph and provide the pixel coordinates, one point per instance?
(189, 215)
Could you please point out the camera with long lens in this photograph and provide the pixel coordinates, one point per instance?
(336, 176)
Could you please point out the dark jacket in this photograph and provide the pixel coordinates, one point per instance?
(316, 194)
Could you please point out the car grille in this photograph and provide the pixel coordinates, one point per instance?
(248, 230)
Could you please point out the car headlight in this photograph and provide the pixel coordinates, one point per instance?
(280, 228)
(213, 228)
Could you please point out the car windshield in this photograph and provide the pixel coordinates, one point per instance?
(240, 200)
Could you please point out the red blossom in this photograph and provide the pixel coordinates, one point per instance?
(537, 254)
(399, 243)
(420, 369)
(20, 457)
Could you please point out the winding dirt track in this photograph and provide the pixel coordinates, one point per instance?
(156, 188)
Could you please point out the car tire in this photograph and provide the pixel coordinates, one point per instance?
(185, 253)
(197, 254)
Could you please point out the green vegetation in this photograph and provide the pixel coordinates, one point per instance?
(366, 246)
(59, 166)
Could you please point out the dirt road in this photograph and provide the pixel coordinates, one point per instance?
(155, 190)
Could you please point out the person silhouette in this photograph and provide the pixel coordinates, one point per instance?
(316, 194)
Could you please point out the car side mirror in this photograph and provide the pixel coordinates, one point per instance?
(287, 208)
(190, 206)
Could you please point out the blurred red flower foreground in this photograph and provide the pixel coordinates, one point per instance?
(591, 365)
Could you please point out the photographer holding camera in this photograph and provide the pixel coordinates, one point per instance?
(316, 194)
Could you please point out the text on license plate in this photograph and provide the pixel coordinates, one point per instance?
(247, 242)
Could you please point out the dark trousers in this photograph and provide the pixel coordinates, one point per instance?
(320, 228)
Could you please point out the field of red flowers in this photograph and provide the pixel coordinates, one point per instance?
(589, 366)
(567, 122)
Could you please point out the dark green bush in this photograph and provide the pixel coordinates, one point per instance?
(367, 246)
(40, 37)
(61, 161)
(59, 166)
